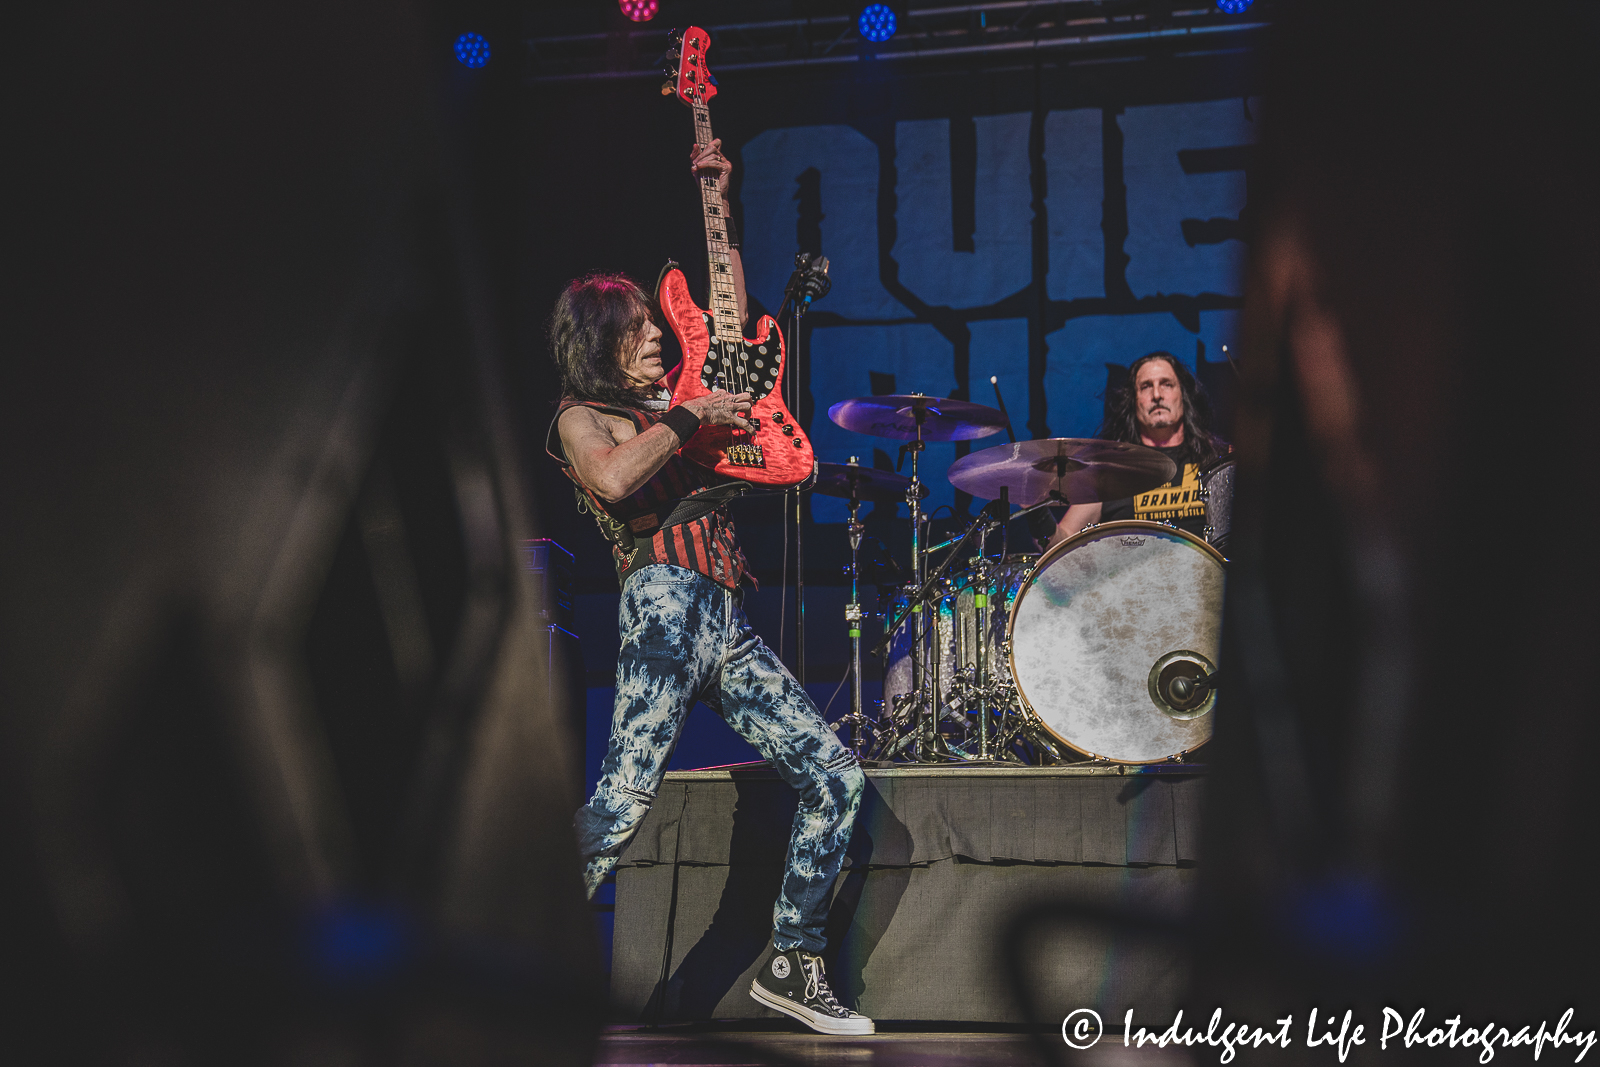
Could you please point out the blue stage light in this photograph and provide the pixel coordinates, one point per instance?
(1235, 7)
(877, 22)
(472, 49)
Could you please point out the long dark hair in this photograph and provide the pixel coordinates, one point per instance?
(1200, 446)
(595, 316)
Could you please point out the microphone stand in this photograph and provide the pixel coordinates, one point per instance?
(808, 282)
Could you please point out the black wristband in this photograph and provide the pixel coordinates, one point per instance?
(681, 421)
(732, 231)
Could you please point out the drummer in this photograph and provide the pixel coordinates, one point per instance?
(1164, 408)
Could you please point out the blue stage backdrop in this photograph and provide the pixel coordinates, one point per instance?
(918, 305)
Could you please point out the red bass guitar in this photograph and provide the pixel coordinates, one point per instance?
(716, 354)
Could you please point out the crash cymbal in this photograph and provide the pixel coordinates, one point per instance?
(836, 479)
(1080, 469)
(897, 415)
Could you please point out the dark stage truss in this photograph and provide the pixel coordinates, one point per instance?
(1007, 30)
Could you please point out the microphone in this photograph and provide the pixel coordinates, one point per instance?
(810, 279)
(1183, 688)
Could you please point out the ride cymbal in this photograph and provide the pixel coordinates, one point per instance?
(898, 416)
(1079, 469)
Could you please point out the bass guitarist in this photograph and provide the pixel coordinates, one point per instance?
(684, 632)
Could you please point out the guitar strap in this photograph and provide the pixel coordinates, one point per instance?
(655, 294)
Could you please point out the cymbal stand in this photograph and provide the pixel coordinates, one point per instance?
(924, 731)
(925, 707)
(981, 596)
(853, 617)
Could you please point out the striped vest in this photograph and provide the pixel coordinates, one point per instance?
(706, 544)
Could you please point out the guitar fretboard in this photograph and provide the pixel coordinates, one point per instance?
(724, 304)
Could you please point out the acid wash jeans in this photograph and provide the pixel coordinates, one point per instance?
(685, 638)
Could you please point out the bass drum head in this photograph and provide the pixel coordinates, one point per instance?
(1106, 617)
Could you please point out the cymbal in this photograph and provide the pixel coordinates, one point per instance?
(1080, 469)
(896, 416)
(836, 479)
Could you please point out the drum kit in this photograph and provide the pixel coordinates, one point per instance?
(1104, 647)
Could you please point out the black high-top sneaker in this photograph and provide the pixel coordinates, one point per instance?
(793, 982)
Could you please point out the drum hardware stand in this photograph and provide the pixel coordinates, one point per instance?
(980, 605)
(1001, 402)
(971, 686)
(1002, 722)
(916, 714)
(930, 745)
(853, 617)
(1023, 726)
(919, 656)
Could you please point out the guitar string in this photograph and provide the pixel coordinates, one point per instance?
(736, 373)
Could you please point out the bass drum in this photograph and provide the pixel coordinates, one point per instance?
(1105, 625)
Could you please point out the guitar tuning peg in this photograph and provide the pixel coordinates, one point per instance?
(675, 36)
(668, 88)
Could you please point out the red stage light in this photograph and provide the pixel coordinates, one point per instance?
(638, 10)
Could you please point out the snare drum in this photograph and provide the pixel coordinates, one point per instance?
(1105, 623)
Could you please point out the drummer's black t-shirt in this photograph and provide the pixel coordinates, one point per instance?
(1178, 502)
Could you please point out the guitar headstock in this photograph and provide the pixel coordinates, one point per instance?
(691, 80)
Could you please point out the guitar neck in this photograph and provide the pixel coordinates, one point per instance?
(724, 302)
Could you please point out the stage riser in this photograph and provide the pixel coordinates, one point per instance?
(939, 866)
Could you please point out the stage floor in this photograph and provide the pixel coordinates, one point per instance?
(733, 1045)
(942, 861)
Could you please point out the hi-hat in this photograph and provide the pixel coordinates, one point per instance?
(897, 416)
(865, 483)
(1079, 470)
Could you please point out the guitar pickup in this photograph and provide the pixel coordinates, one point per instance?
(746, 455)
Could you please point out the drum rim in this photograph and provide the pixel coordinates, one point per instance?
(1048, 557)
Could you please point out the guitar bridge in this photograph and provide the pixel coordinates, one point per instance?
(746, 455)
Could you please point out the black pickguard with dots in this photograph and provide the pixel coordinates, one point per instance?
(740, 366)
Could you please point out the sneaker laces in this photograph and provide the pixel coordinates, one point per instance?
(817, 986)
